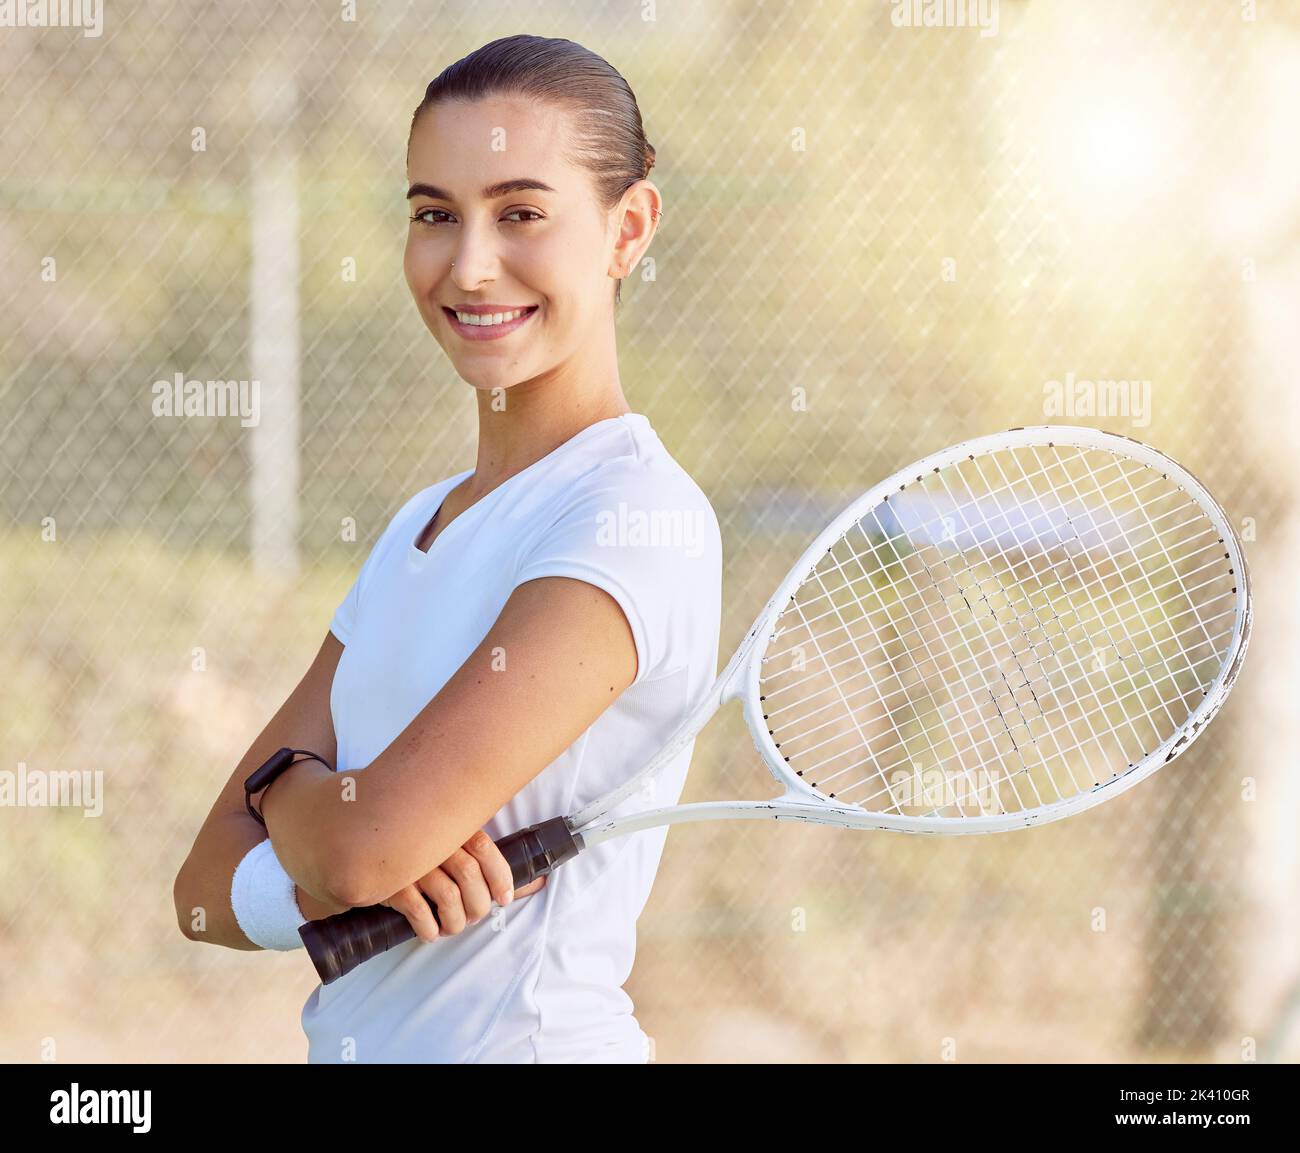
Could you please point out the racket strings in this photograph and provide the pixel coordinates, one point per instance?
(1025, 677)
(790, 687)
(1103, 620)
(775, 711)
(1027, 683)
(939, 711)
(921, 593)
(827, 780)
(1005, 691)
(1004, 553)
(1138, 505)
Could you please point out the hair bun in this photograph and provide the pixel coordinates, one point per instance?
(649, 158)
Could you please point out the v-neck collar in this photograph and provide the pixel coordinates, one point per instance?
(419, 558)
(441, 493)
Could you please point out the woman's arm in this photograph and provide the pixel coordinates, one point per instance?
(558, 655)
(304, 721)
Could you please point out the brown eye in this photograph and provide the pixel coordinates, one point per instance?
(419, 217)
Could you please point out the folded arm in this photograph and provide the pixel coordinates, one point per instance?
(558, 655)
(201, 892)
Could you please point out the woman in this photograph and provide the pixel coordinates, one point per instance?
(523, 635)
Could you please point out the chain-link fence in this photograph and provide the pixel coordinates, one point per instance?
(884, 233)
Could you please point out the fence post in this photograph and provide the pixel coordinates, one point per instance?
(274, 352)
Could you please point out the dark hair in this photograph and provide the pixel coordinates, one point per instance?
(609, 139)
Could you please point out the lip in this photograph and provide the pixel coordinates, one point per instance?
(488, 332)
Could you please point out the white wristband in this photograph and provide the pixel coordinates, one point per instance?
(263, 897)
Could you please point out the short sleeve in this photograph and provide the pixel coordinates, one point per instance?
(346, 613)
(654, 546)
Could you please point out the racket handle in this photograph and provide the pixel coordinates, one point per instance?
(338, 944)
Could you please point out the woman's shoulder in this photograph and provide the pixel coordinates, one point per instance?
(644, 469)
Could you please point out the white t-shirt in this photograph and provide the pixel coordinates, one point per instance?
(610, 507)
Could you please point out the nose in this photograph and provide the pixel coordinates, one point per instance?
(472, 262)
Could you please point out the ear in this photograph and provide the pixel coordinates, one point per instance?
(638, 218)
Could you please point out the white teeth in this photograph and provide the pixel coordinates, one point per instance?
(487, 319)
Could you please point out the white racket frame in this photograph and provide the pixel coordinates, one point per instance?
(799, 801)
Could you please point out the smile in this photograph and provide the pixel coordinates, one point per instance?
(488, 326)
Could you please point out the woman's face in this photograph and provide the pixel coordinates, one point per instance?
(550, 250)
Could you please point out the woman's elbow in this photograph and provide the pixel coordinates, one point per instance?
(355, 884)
(341, 876)
(189, 910)
(359, 877)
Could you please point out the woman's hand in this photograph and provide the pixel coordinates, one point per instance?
(314, 909)
(462, 888)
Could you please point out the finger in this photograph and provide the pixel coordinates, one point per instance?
(531, 887)
(464, 869)
(445, 895)
(411, 904)
(493, 865)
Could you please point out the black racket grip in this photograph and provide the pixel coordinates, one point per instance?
(338, 944)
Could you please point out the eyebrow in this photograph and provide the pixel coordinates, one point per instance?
(491, 192)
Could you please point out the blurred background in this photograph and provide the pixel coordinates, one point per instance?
(880, 237)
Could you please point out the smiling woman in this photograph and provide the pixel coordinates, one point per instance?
(553, 205)
(501, 656)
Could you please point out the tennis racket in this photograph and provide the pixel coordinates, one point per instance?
(1001, 635)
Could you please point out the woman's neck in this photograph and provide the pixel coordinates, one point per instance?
(519, 426)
